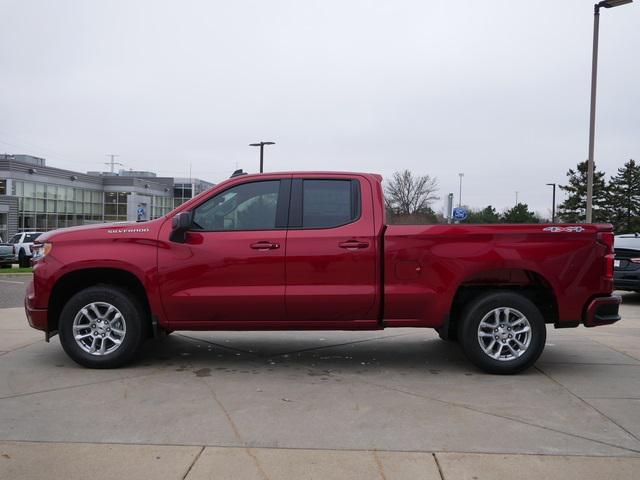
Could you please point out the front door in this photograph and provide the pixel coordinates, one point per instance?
(231, 267)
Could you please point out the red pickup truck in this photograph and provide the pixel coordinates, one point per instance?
(303, 251)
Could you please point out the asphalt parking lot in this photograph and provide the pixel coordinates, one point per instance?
(394, 404)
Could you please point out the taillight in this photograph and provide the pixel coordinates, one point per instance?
(606, 239)
(608, 265)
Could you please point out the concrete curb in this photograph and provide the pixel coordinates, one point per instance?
(21, 460)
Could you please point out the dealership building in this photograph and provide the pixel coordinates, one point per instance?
(36, 197)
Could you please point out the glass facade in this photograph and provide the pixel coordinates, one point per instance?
(160, 206)
(4, 227)
(181, 193)
(48, 198)
(44, 207)
(115, 206)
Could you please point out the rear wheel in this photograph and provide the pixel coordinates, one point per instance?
(102, 327)
(502, 332)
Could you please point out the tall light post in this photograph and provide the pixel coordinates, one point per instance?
(261, 145)
(553, 203)
(517, 192)
(460, 194)
(594, 77)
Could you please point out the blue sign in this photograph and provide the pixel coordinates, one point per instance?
(459, 213)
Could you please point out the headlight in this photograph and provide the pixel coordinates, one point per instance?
(40, 250)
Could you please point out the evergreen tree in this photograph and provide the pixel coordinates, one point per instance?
(573, 209)
(486, 215)
(624, 198)
(519, 214)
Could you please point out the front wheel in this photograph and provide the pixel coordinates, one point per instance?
(102, 327)
(502, 332)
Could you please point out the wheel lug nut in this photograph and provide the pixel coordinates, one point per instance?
(103, 334)
(495, 330)
(509, 336)
(93, 326)
(497, 337)
(108, 329)
(504, 341)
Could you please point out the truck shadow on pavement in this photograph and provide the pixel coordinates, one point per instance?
(629, 298)
(252, 352)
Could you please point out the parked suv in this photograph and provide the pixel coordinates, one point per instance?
(627, 262)
(22, 243)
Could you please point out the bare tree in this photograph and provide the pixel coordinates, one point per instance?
(409, 194)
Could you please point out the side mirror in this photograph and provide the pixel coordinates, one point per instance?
(179, 226)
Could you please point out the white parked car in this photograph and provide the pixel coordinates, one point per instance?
(22, 246)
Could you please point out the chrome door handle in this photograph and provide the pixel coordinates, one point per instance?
(264, 245)
(353, 245)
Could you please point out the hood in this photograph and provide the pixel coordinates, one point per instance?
(97, 231)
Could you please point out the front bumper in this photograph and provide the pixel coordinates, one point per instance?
(37, 317)
(602, 311)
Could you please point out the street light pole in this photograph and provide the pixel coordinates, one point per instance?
(460, 194)
(553, 203)
(261, 145)
(592, 115)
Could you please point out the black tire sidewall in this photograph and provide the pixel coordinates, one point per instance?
(23, 262)
(468, 332)
(131, 312)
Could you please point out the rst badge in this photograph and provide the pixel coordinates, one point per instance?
(555, 229)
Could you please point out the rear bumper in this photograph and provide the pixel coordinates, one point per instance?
(37, 317)
(602, 311)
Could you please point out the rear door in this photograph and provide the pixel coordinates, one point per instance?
(331, 250)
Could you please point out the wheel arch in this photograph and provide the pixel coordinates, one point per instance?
(526, 282)
(74, 281)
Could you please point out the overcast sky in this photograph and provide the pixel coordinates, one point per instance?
(498, 90)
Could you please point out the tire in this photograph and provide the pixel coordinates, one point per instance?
(513, 351)
(453, 335)
(23, 260)
(119, 318)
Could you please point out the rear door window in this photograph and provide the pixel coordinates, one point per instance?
(329, 203)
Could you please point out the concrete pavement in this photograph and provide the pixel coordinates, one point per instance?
(394, 404)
